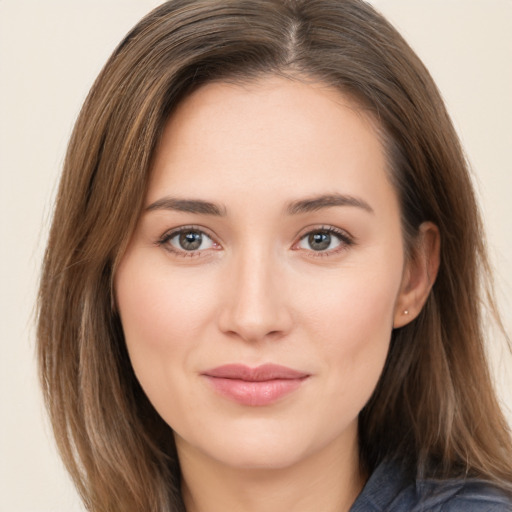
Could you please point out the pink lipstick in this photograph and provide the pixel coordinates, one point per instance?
(258, 386)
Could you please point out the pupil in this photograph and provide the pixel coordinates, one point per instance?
(319, 241)
(190, 240)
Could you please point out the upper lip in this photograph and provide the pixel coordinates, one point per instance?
(261, 373)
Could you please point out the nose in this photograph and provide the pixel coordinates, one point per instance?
(256, 303)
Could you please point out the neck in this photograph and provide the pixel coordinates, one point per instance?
(329, 480)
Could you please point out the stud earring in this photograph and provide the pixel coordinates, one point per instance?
(406, 311)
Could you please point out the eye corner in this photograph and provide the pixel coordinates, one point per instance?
(325, 236)
(173, 241)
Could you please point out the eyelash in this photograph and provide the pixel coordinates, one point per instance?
(165, 239)
(343, 237)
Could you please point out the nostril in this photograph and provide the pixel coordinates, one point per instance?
(266, 327)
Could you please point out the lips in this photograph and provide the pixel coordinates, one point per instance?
(258, 386)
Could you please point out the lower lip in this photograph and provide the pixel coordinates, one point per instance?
(254, 393)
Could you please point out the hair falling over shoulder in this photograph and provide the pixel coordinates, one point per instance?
(434, 407)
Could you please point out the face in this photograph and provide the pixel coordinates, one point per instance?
(259, 290)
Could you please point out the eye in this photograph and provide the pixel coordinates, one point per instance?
(187, 241)
(324, 240)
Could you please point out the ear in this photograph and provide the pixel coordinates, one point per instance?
(420, 272)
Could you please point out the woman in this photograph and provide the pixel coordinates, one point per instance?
(263, 281)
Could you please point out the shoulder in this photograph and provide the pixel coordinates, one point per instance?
(461, 496)
(390, 489)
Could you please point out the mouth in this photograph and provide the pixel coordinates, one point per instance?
(258, 386)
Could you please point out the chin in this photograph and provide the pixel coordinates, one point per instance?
(259, 455)
(265, 445)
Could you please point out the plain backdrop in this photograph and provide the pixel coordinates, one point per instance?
(50, 53)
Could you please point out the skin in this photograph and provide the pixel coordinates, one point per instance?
(257, 291)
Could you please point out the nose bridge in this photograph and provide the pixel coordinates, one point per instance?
(257, 304)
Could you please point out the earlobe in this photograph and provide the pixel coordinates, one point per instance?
(419, 274)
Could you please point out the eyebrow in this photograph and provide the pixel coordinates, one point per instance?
(308, 205)
(316, 203)
(188, 206)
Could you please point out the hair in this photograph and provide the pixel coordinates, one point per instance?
(434, 406)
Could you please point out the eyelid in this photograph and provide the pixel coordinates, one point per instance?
(345, 238)
(171, 233)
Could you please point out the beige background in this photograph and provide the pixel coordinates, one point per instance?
(50, 53)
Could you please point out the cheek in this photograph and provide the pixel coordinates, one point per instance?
(356, 305)
(162, 316)
(352, 320)
(158, 309)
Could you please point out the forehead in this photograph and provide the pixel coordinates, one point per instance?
(275, 136)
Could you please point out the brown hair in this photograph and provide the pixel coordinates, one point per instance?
(434, 406)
